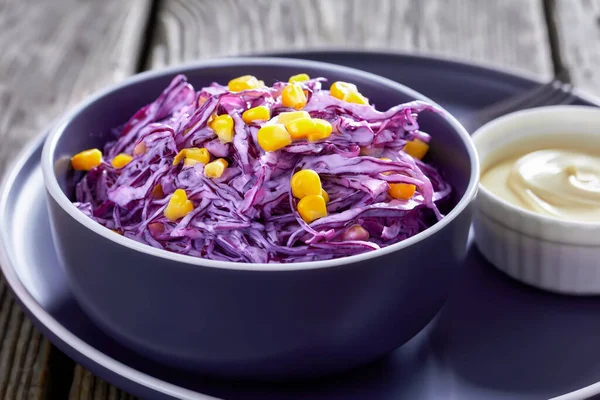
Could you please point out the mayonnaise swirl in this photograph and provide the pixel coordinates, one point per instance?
(555, 182)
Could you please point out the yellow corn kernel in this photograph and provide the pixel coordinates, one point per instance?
(157, 192)
(121, 160)
(156, 228)
(355, 232)
(299, 78)
(388, 160)
(305, 182)
(179, 206)
(287, 117)
(273, 137)
(260, 113)
(355, 97)
(416, 148)
(216, 168)
(402, 191)
(198, 154)
(300, 128)
(86, 160)
(312, 207)
(180, 156)
(244, 83)
(223, 127)
(192, 156)
(293, 96)
(139, 149)
(190, 161)
(340, 89)
(325, 195)
(322, 130)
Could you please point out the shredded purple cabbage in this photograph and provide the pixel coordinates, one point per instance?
(249, 213)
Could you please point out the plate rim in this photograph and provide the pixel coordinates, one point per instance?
(137, 381)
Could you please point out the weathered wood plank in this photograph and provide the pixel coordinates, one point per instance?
(56, 53)
(508, 33)
(578, 29)
(24, 354)
(86, 386)
(53, 54)
(74, 393)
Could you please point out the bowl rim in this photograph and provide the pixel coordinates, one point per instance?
(548, 112)
(61, 199)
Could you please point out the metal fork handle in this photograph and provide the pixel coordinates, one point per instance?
(557, 91)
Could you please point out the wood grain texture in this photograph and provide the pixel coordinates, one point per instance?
(578, 29)
(24, 354)
(56, 53)
(86, 386)
(508, 33)
(53, 53)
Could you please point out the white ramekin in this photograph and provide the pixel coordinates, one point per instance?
(549, 253)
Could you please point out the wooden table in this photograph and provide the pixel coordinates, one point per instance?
(55, 53)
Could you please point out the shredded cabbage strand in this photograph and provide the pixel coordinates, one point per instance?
(249, 214)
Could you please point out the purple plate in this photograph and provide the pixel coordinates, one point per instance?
(494, 339)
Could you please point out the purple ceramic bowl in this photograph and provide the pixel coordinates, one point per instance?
(264, 321)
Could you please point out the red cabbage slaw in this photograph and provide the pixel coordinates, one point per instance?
(248, 214)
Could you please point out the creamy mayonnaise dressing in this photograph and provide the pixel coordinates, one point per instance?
(556, 182)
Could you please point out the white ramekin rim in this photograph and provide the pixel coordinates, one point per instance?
(543, 121)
